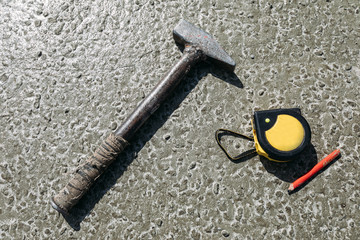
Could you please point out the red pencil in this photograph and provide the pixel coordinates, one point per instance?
(314, 170)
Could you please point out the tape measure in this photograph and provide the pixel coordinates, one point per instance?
(279, 135)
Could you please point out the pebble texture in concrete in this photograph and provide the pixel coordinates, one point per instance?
(71, 71)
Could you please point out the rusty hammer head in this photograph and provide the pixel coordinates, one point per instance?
(187, 34)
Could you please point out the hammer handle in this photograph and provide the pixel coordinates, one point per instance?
(86, 174)
(160, 92)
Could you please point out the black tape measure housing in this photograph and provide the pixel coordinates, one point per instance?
(279, 134)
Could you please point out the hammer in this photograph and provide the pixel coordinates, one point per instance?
(198, 46)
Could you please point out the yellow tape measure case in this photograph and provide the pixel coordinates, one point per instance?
(280, 134)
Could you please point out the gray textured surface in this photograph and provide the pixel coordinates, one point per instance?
(71, 71)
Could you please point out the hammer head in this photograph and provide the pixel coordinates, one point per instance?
(187, 34)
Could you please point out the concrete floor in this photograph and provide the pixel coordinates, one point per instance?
(71, 71)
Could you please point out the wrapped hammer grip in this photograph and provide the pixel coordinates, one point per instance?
(86, 174)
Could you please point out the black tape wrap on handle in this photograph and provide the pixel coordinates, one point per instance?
(86, 174)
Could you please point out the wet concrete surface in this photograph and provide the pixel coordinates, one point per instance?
(71, 71)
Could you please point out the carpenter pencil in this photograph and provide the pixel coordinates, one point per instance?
(314, 170)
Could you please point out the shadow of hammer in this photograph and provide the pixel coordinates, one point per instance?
(198, 46)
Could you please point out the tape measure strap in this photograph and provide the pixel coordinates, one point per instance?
(221, 132)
